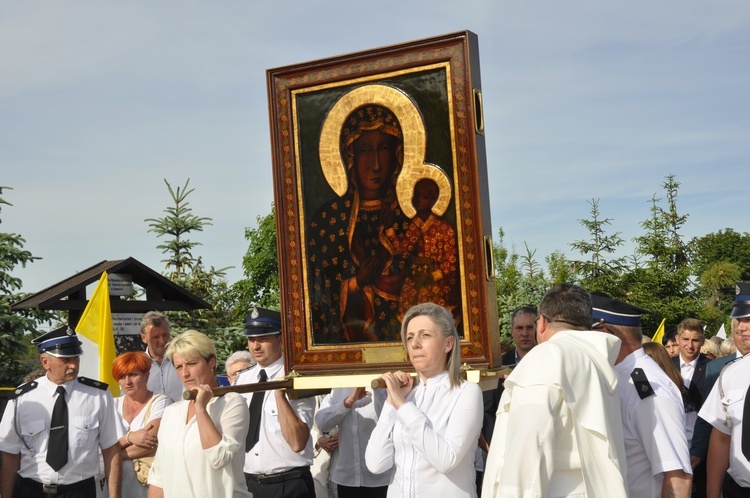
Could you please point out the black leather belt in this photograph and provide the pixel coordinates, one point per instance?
(287, 475)
(57, 489)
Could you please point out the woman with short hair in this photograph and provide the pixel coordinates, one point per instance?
(139, 411)
(202, 448)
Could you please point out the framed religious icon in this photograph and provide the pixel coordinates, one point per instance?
(381, 203)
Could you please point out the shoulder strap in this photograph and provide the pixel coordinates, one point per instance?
(93, 383)
(642, 385)
(23, 389)
(150, 405)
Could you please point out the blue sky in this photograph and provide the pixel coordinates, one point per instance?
(100, 101)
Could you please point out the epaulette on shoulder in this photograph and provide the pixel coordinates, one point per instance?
(93, 383)
(244, 370)
(642, 385)
(24, 388)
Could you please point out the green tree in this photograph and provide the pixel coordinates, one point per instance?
(724, 245)
(662, 282)
(187, 270)
(260, 287)
(16, 328)
(715, 289)
(177, 224)
(601, 271)
(519, 282)
(560, 268)
(679, 253)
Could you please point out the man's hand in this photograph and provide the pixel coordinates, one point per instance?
(356, 394)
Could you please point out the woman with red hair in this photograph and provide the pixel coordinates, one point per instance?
(140, 412)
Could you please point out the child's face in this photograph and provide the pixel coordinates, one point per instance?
(426, 193)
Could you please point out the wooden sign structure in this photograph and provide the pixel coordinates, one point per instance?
(380, 186)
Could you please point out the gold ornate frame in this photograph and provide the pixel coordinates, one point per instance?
(433, 88)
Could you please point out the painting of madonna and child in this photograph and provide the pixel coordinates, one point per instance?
(381, 235)
(381, 202)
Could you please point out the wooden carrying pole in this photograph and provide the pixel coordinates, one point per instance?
(301, 386)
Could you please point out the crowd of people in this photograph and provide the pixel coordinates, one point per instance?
(591, 408)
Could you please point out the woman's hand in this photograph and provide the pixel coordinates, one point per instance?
(143, 438)
(328, 443)
(399, 385)
(203, 397)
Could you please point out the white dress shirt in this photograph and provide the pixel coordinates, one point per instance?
(163, 379)
(272, 454)
(182, 468)
(654, 427)
(92, 425)
(687, 369)
(723, 410)
(355, 425)
(431, 440)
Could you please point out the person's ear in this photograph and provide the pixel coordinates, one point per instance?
(450, 344)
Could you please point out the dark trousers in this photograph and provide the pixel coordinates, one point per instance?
(28, 488)
(731, 489)
(699, 481)
(295, 483)
(353, 492)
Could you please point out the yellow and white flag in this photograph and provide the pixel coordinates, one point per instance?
(96, 326)
(659, 334)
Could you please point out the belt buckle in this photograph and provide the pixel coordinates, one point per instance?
(49, 488)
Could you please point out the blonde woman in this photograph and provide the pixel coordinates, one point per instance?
(202, 448)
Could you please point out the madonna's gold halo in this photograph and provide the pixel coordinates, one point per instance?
(415, 140)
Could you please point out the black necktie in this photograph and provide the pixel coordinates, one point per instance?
(746, 426)
(256, 410)
(57, 448)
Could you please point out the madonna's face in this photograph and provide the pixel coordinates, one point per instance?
(374, 163)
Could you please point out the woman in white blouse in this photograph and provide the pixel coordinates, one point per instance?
(202, 441)
(428, 429)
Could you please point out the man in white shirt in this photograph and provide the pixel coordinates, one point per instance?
(653, 415)
(155, 334)
(702, 433)
(559, 430)
(55, 429)
(279, 449)
(355, 412)
(728, 464)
